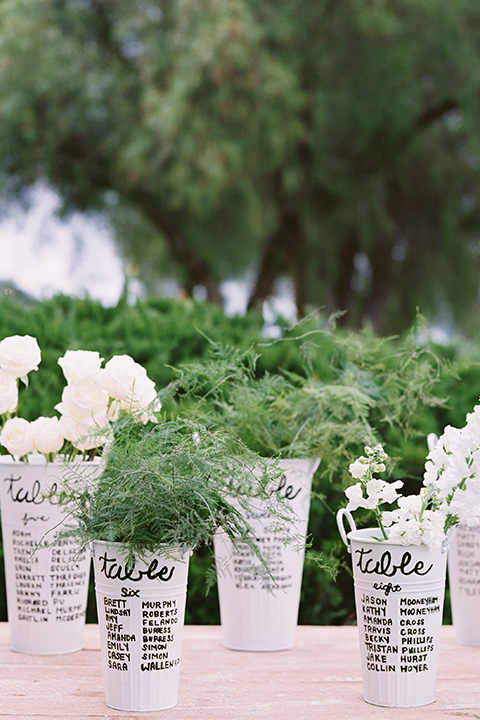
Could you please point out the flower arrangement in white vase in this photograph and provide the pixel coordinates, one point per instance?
(165, 489)
(454, 463)
(90, 402)
(399, 567)
(40, 452)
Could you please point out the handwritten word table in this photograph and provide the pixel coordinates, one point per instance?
(320, 679)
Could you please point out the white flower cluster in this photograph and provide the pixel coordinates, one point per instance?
(414, 523)
(92, 399)
(453, 470)
(450, 492)
(369, 492)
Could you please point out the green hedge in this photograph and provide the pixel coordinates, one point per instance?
(163, 333)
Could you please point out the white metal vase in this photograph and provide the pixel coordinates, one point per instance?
(47, 586)
(258, 614)
(463, 577)
(464, 583)
(399, 592)
(141, 610)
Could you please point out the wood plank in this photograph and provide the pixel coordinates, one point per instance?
(319, 678)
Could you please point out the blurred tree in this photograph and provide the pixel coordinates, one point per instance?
(335, 142)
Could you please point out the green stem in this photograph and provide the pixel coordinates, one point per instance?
(378, 515)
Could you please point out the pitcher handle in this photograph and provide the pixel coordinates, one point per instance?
(343, 514)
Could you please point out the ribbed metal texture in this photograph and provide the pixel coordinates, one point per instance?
(257, 615)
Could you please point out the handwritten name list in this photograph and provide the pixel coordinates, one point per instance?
(468, 560)
(49, 587)
(397, 628)
(141, 633)
(273, 551)
(411, 644)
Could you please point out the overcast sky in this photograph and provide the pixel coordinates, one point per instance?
(43, 255)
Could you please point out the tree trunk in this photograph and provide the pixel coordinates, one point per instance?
(197, 270)
(342, 289)
(382, 262)
(272, 264)
(297, 261)
(376, 305)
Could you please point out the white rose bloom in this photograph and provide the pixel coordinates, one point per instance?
(127, 383)
(144, 402)
(79, 364)
(16, 437)
(8, 392)
(83, 435)
(85, 400)
(19, 354)
(145, 393)
(46, 434)
(122, 376)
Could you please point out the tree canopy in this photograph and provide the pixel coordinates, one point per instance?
(333, 142)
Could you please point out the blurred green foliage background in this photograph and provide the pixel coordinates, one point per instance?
(419, 387)
(334, 143)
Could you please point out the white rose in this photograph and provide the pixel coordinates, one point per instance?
(113, 412)
(122, 376)
(16, 437)
(79, 364)
(46, 435)
(82, 435)
(127, 383)
(143, 402)
(8, 392)
(19, 354)
(85, 400)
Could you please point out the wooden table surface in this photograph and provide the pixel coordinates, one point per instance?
(318, 680)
